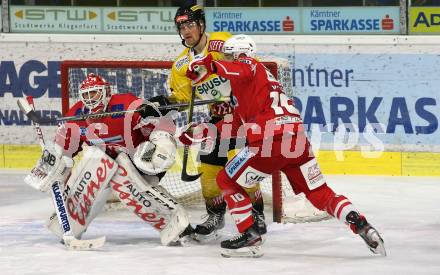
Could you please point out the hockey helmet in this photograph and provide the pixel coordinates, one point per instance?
(239, 45)
(186, 14)
(95, 92)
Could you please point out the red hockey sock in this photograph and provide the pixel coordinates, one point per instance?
(237, 200)
(339, 206)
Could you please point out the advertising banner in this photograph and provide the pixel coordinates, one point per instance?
(92, 20)
(350, 20)
(423, 20)
(254, 20)
(340, 20)
(55, 19)
(139, 20)
(378, 100)
(146, 20)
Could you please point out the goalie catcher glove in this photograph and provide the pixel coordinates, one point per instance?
(200, 69)
(51, 167)
(161, 100)
(157, 155)
(149, 110)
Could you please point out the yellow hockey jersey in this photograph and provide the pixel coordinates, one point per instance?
(213, 87)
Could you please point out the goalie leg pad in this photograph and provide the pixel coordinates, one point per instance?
(148, 202)
(86, 190)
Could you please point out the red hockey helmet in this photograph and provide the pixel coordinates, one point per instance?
(95, 92)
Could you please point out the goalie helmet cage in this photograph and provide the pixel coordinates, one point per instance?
(138, 76)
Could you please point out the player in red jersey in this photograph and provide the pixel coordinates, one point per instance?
(276, 142)
(127, 155)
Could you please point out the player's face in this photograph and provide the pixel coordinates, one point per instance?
(190, 32)
(228, 57)
(92, 95)
(93, 98)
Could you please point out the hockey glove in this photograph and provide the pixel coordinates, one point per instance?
(200, 69)
(160, 99)
(201, 134)
(51, 167)
(156, 155)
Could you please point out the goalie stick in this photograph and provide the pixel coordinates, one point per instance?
(60, 207)
(32, 115)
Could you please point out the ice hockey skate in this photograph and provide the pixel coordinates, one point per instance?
(260, 223)
(208, 230)
(244, 245)
(369, 234)
(186, 238)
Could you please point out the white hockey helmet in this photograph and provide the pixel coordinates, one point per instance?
(240, 44)
(95, 92)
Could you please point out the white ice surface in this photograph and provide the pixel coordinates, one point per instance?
(406, 211)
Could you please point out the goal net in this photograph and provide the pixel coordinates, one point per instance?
(146, 79)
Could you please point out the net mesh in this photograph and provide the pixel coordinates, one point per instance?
(148, 82)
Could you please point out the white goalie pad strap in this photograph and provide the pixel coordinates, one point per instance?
(51, 167)
(148, 202)
(157, 155)
(88, 189)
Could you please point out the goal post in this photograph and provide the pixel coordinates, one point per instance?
(146, 79)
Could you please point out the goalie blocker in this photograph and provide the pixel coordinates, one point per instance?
(94, 179)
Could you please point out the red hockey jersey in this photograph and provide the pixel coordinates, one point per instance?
(258, 100)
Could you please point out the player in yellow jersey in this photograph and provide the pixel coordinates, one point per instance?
(190, 23)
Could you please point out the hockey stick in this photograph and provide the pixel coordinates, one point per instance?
(60, 207)
(185, 176)
(32, 115)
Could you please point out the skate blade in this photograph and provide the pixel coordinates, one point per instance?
(380, 249)
(244, 252)
(186, 241)
(215, 235)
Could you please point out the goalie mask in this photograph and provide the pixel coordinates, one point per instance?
(189, 17)
(95, 92)
(239, 45)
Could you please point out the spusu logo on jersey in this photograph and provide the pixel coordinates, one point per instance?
(216, 87)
